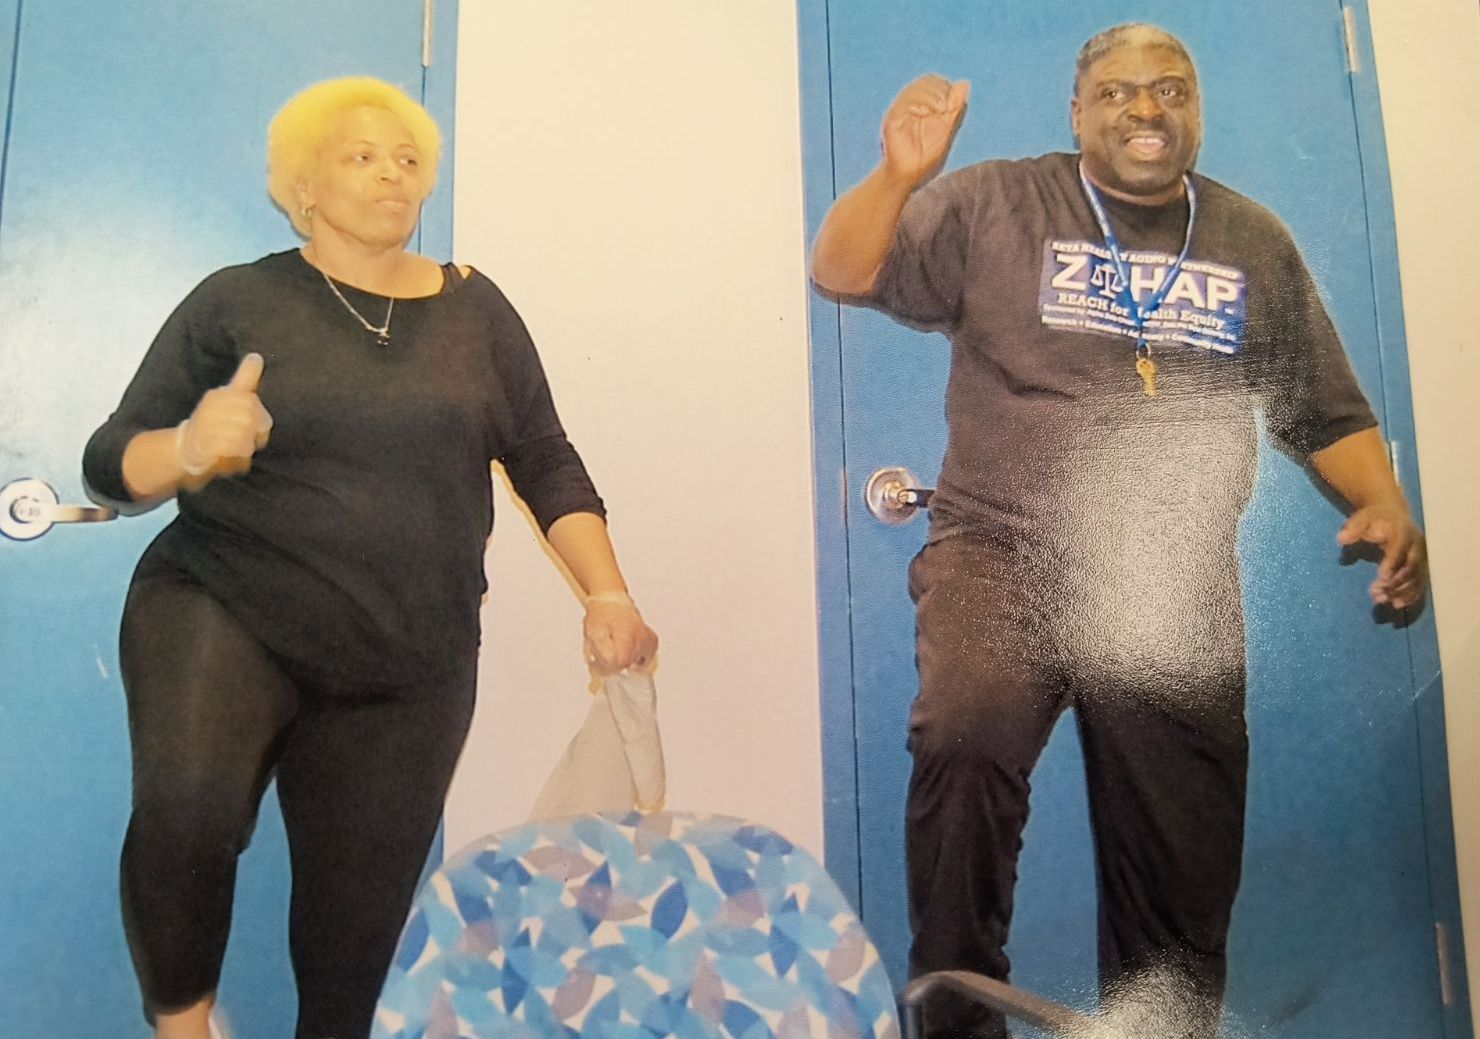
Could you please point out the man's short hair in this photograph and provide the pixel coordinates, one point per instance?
(1102, 43)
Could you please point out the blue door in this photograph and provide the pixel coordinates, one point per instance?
(1347, 920)
(133, 166)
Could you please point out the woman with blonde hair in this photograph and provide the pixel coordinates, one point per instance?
(325, 418)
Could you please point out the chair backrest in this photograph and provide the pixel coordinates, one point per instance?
(635, 927)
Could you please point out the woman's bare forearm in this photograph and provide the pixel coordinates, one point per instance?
(151, 466)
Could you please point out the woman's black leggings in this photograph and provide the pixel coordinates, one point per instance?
(362, 773)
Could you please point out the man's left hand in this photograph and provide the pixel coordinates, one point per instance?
(1403, 573)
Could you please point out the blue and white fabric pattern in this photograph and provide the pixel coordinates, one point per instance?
(635, 927)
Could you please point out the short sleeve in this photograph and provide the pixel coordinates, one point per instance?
(922, 279)
(1312, 398)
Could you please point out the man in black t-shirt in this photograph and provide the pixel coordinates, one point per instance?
(1116, 322)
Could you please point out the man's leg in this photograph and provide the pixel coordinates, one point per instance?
(1167, 782)
(986, 707)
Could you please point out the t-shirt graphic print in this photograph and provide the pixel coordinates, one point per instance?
(1081, 291)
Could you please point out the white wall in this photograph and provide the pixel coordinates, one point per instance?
(1428, 57)
(629, 175)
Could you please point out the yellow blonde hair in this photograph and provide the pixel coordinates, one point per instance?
(297, 132)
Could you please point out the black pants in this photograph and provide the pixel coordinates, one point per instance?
(1166, 751)
(362, 775)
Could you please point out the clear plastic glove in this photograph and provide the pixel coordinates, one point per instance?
(228, 426)
(617, 638)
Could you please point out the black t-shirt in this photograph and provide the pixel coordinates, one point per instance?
(1050, 433)
(354, 546)
(1116, 513)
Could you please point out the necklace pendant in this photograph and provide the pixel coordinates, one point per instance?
(383, 333)
(1146, 369)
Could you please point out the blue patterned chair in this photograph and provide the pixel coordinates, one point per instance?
(635, 927)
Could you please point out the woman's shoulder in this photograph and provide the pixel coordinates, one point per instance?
(239, 282)
(482, 289)
(472, 275)
(262, 272)
(486, 305)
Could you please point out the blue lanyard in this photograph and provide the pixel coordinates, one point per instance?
(1140, 314)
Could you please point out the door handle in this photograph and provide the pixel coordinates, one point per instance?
(29, 508)
(893, 494)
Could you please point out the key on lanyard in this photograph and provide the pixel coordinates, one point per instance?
(1145, 366)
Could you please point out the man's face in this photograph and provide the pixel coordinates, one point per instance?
(1138, 121)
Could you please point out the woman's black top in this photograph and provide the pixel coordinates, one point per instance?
(354, 546)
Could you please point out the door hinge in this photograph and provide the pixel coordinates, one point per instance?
(1393, 459)
(1349, 31)
(427, 19)
(1446, 974)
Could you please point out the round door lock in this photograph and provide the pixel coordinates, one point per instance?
(29, 507)
(893, 494)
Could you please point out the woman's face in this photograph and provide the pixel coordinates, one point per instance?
(368, 183)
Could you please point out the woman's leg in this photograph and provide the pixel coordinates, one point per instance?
(207, 708)
(362, 781)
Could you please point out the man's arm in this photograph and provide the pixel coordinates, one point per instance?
(1357, 468)
(857, 232)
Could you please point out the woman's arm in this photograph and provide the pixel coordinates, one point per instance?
(616, 635)
(550, 477)
(152, 470)
(226, 428)
(182, 418)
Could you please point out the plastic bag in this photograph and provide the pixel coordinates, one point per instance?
(614, 763)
